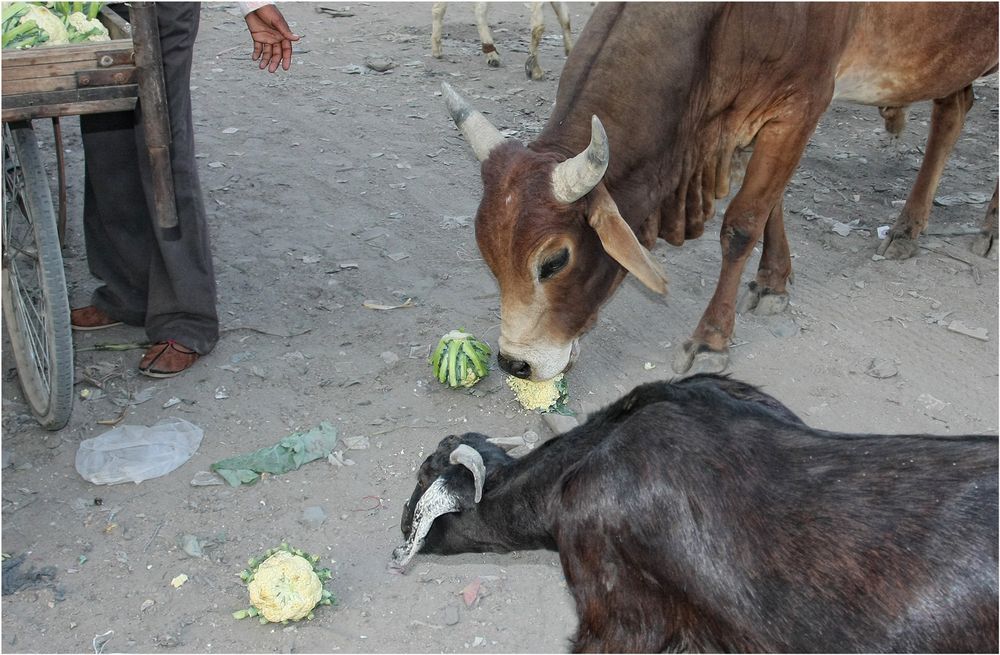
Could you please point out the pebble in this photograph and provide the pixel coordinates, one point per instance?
(559, 423)
(190, 545)
(390, 357)
(451, 615)
(313, 517)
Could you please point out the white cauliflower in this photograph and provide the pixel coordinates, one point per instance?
(285, 585)
(87, 29)
(544, 395)
(48, 23)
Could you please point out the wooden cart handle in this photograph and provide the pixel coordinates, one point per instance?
(155, 113)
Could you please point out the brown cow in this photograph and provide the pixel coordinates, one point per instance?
(667, 95)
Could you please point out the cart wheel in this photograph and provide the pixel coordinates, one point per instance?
(35, 306)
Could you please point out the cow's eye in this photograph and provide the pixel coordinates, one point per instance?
(553, 264)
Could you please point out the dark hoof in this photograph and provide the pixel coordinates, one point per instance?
(693, 358)
(532, 70)
(983, 244)
(897, 246)
(761, 301)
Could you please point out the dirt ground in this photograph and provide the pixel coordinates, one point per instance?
(333, 185)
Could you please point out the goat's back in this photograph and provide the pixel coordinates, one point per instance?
(703, 516)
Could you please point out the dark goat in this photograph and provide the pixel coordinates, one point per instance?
(704, 515)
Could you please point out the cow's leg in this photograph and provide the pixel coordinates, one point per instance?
(947, 119)
(779, 146)
(485, 36)
(987, 238)
(766, 295)
(531, 67)
(437, 19)
(562, 15)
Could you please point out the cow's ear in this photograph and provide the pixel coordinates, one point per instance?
(620, 241)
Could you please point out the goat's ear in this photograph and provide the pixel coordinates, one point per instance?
(620, 241)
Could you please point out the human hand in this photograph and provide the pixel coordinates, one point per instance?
(272, 38)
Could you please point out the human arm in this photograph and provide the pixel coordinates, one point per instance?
(272, 38)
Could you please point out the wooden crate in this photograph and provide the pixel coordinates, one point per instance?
(64, 80)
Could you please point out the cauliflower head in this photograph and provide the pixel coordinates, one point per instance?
(92, 29)
(285, 588)
(284, 585)
(48, 23)
(544, 395)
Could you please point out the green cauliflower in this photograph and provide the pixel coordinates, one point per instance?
(284, 585)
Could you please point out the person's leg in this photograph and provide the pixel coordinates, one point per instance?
(181, 300)
(116, 221)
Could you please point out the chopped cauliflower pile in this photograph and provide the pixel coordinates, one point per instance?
(544, 396)
(284, 585)
(33, 24)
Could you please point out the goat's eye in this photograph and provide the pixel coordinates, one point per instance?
(553, 264)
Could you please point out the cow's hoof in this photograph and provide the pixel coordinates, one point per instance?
(897, 246)
(761, 301)
(693, 358)
(532, 70)
(983, 244)
(492, 60)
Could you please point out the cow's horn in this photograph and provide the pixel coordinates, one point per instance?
(471, 459)
(476, 129)
(574, 178)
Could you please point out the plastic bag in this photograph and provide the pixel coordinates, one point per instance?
(133, 453)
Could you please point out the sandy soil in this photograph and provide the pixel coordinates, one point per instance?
(341, 186)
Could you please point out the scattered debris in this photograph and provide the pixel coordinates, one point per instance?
(879, 368)
(179, 580)
(14, 579)
(287, 455)
(335, 13)
(313, 517)
(968, 198)
(133, 453)
(368, 304)
(101, 640)
(379, 64)
(471, 592)
(190, 545)
(974, 332)
(559, 423)
(206, 479)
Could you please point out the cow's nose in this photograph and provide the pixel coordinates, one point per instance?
(515, 367)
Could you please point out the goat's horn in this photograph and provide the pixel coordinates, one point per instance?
(471, 459)
(437, 500)
(574, 178)
(475, 127)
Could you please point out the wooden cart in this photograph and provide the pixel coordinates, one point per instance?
(51, 82)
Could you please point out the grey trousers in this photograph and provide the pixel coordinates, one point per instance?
(168, 287)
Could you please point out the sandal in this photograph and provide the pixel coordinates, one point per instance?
(169, 358)
(90, 318)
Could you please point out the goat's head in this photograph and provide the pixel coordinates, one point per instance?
(450, 482)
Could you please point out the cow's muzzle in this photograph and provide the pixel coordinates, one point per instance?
(516, 367)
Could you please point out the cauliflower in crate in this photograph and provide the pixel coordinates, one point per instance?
(284, 585)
